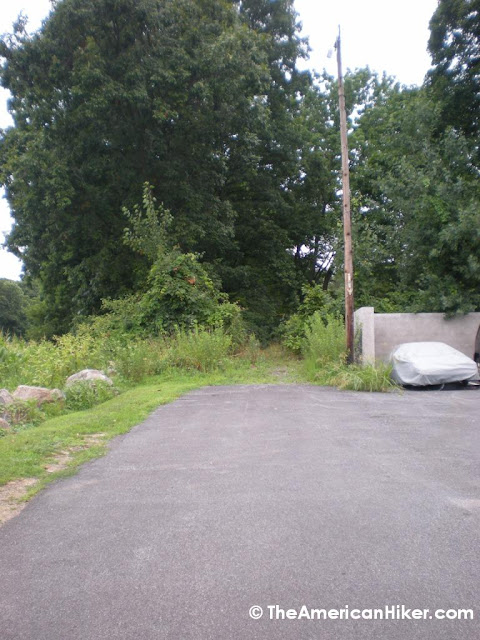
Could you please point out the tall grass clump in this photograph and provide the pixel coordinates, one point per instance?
(136, 359)
(48, 363)
(11, 361)
(369, 378)
(202, 349)
(323, 345)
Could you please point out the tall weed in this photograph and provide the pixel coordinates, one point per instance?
(324, 343)
(12, 361)
(201, 349)
(136, 359)
(368, 378)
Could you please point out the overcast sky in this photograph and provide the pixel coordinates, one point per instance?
(372, 34)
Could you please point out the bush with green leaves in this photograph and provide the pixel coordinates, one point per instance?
(324, 343)
(147, 226)
(86, 394)
(22, 414)
(180, 293)
(229, 316)
(120, 319)
(315, 301)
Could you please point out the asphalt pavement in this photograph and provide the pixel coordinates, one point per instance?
(260, 512)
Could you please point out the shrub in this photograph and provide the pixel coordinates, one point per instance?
(24, 413)
(148, 224)
(229, 316)
(315, 301)
(179, 290)
(87, 394)
(121, 318)
(324, 343)
(293, 332)
(180, 294)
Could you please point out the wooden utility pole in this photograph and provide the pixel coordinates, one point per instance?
(347, 222)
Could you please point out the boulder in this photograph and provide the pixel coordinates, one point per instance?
(4, 424)
(5, 397)
(39, 394)
(88, 375)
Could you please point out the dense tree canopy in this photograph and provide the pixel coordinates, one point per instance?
(417, 218)
(203, 100)
(192, 95)
(13, 307)
(455, 48)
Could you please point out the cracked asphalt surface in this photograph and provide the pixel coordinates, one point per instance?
(258, 495)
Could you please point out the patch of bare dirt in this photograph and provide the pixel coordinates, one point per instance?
(94, 439)
(281, 372)
(11, 495)
(61, 460)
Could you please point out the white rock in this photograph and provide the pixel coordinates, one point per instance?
(5, 397)
(39, 394)
(4, 424)
(88, 375)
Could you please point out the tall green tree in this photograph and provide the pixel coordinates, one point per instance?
(455, 49)
(417, 219)
(13, 307)
(259, 270)
(318, 212)
(107, 95)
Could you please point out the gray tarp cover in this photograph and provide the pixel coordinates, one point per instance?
(428, 363)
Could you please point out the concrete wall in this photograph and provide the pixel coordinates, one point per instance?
(365, 335)
(381, 332)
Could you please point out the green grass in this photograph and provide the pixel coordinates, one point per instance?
(26, 453)
(358, 378)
